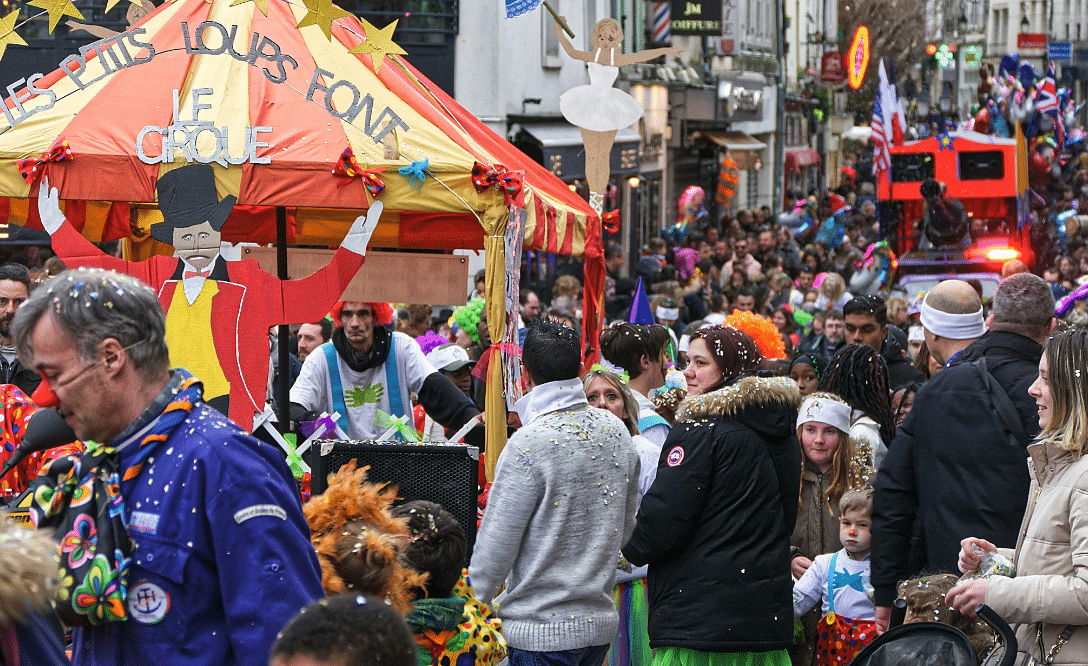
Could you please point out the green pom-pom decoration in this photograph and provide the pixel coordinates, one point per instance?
(467, 317)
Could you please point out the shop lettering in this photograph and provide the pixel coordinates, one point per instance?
(112, 54)
(189, 134)
(690, 25)
(693, 8)
(222, 40)
(359, 103)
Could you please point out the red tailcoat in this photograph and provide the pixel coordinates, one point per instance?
(249, 301)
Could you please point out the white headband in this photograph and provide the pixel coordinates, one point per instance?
(952, 326)
(915, 334)
(824, 410)
(684, 341)
(671, 314)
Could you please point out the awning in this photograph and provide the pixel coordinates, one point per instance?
(800, 158)
(731, 140)
(741, 146)
(564, 154)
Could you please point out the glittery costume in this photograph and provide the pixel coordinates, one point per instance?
(600, 107)
(562, 503)
(457, 630)
(222, 557)
(17, 409)
(841, 585)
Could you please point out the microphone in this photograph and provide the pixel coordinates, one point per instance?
(45, 429)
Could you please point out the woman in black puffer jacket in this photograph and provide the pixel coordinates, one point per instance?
(715, 526)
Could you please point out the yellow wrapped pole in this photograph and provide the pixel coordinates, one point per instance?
(494, 219)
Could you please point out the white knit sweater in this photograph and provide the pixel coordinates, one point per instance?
(562, 505)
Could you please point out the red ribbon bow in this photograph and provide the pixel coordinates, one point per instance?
(480, 371)
(192, 274)
(611, 221)
(33, 167)
(348, 167)
(507, 182)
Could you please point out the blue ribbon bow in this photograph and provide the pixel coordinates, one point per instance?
(416, 171)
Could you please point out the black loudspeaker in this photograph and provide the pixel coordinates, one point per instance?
(447, 475)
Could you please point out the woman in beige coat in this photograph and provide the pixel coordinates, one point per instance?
(1048, 597)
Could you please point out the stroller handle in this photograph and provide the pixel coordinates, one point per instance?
(1004, 632)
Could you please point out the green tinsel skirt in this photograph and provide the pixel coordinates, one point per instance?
(674, 656)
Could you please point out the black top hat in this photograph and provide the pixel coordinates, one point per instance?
(187, 198)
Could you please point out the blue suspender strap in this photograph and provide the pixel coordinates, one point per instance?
(333, 361)
(831, 582)
(392, 380)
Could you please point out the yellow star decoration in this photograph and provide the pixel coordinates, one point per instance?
(261, 4)
(7, 32)
(110, 4)
(321, 13)
(57, 9)
(378, 43)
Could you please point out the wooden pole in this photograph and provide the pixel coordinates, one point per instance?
(559, 19)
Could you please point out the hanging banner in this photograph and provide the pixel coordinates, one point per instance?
(511, 363)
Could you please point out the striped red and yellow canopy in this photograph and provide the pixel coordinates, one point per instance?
(273, 107)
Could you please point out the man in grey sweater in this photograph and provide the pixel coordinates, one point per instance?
(561, 507)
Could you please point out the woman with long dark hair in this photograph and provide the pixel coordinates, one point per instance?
(715, 526)
(859, 376)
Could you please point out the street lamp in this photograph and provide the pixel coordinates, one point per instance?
(962, 23)
(923, 102)
(1024, 23)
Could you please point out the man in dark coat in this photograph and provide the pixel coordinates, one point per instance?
(14, 289)
(955, 469)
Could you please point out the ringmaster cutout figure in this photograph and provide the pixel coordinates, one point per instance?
(218, 312)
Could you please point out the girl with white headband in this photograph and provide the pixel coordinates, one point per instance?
(833, 463)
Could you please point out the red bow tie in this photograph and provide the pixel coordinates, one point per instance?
(192, 274)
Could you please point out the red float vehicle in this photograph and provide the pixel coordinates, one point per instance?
(974, 239)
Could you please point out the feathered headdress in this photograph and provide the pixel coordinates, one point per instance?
(358, 541)
(761, 330)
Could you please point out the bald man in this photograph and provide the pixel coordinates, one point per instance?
(957, 466)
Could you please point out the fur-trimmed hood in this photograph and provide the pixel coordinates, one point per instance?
(767, 405)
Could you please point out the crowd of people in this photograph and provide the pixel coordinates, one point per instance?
(757, 466)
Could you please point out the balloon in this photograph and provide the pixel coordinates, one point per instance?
(982, 121)
(1039, 163)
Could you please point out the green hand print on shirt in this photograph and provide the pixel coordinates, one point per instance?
(357, 396)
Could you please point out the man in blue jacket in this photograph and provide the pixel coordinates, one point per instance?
(223, 557)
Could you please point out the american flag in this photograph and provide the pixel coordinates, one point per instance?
(881, 156)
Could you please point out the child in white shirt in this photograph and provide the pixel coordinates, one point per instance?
(840, 581)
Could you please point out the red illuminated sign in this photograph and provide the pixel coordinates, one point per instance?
(857, 58)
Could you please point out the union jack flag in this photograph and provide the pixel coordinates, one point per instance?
(1046, 101)
(881, 156)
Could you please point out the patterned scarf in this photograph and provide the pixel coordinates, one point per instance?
(79, 497)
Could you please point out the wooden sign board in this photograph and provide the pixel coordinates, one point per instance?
(394, 277)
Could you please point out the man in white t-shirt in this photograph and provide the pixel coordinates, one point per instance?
(366, 368)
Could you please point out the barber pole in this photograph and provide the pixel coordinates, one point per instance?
(661, 18)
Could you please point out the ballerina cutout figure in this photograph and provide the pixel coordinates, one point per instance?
(598, 109)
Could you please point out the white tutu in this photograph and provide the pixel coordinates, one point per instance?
(600, 107)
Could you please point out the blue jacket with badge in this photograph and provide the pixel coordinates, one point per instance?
(223, 556)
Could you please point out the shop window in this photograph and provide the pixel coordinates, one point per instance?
(912, 167)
